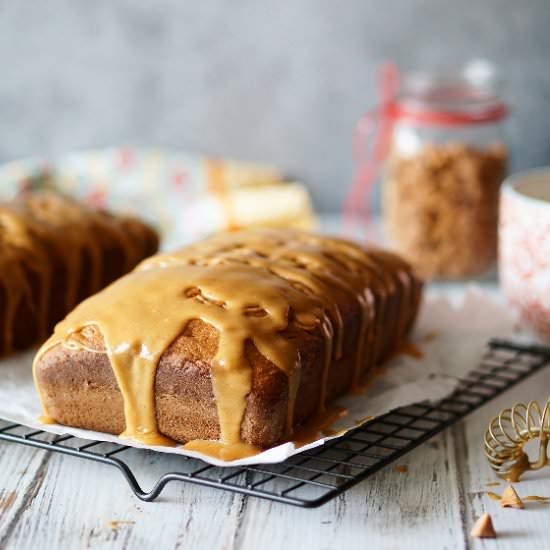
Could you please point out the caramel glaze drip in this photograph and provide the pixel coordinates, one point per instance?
(43, 240)
(250, 286)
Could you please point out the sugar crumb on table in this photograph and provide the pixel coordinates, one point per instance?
(116, 523)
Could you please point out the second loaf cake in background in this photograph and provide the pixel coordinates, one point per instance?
(237, 339)
(54, 252)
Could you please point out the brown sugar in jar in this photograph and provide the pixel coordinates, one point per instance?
(440, 207)
(439, 138)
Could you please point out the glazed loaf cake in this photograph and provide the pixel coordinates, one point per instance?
(54, 252)
(237, 339)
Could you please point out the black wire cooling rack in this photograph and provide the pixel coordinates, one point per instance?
(318, 475)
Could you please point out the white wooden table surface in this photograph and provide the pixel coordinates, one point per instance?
(49, 501)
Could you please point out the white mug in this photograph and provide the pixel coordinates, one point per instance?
(524, 247)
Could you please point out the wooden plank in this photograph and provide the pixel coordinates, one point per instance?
(51, 501)
(388, 510)
(22, 475)
(72, 504)
(78, 499)
(80, 503)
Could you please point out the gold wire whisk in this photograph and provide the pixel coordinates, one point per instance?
(507, 435)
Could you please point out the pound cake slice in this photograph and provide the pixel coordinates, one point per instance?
(227, 344)
(54, 252)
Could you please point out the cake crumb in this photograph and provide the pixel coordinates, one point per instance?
(7, 500)
(116, 523)
(401, 468)
(483, 528)
(510, 499)
(545, 500)
(430, 336)
(492, 484)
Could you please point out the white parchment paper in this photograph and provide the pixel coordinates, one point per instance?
(451, 338)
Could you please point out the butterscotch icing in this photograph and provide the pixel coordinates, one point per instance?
(250, 286)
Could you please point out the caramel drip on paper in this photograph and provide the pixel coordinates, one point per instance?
(222, 451)
(249, 286)
(320, 425)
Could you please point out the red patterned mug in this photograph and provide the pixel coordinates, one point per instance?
(524, 247)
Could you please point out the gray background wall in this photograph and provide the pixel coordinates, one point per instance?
(281, 81)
